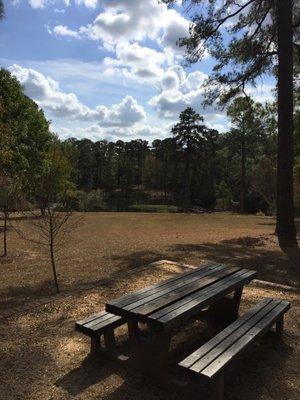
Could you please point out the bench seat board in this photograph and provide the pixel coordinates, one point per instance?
(213, 356)
(164, 298)
(97, 324)
(171, 282)
(187, 307)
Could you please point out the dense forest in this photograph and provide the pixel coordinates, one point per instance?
(225, 170)
(193, 166)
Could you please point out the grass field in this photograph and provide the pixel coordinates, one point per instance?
(106, 243)
(43, 358)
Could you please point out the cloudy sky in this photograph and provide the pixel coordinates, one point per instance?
(106, 68)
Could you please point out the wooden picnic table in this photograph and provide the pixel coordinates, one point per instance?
(169, 305)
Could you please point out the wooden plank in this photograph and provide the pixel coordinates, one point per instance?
(201, 299)
(102, 320)
(170, 297)
(144, 298)
(166, 310)
(196, 355)
(131, 297)
(92, 317)
(95, 328)
(261, 327)
(111, 323)
(215, 352)
(178, 287)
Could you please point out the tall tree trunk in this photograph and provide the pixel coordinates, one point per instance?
(285, 228)
(243, 173)
(188, 181)
(51, 245)
(5, 231)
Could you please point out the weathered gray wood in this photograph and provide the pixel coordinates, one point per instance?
(133, 329)
(95, 344)
(200, 300)
(218, 388)
(237, 300)
(131, 297)
(214, 286)
(210, 359)
(208, 346)
(205, 360)
(138, 299)
(98, 324)
(109, 339)
(175, 295)
(279, 326)
(240, 345)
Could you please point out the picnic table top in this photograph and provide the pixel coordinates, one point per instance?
(170, 303)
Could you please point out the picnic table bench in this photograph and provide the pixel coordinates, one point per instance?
(209, 361)
(168, 306)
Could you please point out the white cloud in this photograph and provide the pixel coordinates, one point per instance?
(61, 30)
(95, 132)
(124, 114)
(137, 62)
(37, 3)
(178, 91)
(124, 21)
(87, 3)
(47, 93)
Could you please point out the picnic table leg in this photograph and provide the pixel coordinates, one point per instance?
(133, 330)
(218, 388)
(279, 327)
(237, 300)
(95, 344)
(151, 355)
(109, 339)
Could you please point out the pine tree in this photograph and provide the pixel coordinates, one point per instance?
(250, 39)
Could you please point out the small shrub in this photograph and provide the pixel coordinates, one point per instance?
(82, 201)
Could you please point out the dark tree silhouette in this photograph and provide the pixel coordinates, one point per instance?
(187, 135)
(261, 41)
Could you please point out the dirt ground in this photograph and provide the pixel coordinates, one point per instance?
(41, 356)
(106, 243)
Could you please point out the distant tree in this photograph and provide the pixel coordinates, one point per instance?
(24, 133)
(263, 181)
(11, 199)
(51, 229)
(187, 135)
(249, 39)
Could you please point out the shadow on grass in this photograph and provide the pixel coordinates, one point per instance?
(92, 370)
(136, 259)
(247, 252)
(258, 370)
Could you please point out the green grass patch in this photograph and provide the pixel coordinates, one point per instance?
(158, 208)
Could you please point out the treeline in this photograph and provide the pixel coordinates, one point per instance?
(195, 166)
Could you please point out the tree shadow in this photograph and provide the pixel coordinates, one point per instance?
(248, 252)
(92, 370)
(136, 259)
(262, 367)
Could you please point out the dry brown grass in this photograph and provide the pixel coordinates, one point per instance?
(42, 358)
(107, 243)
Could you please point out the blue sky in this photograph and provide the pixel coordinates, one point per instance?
(106, 69)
